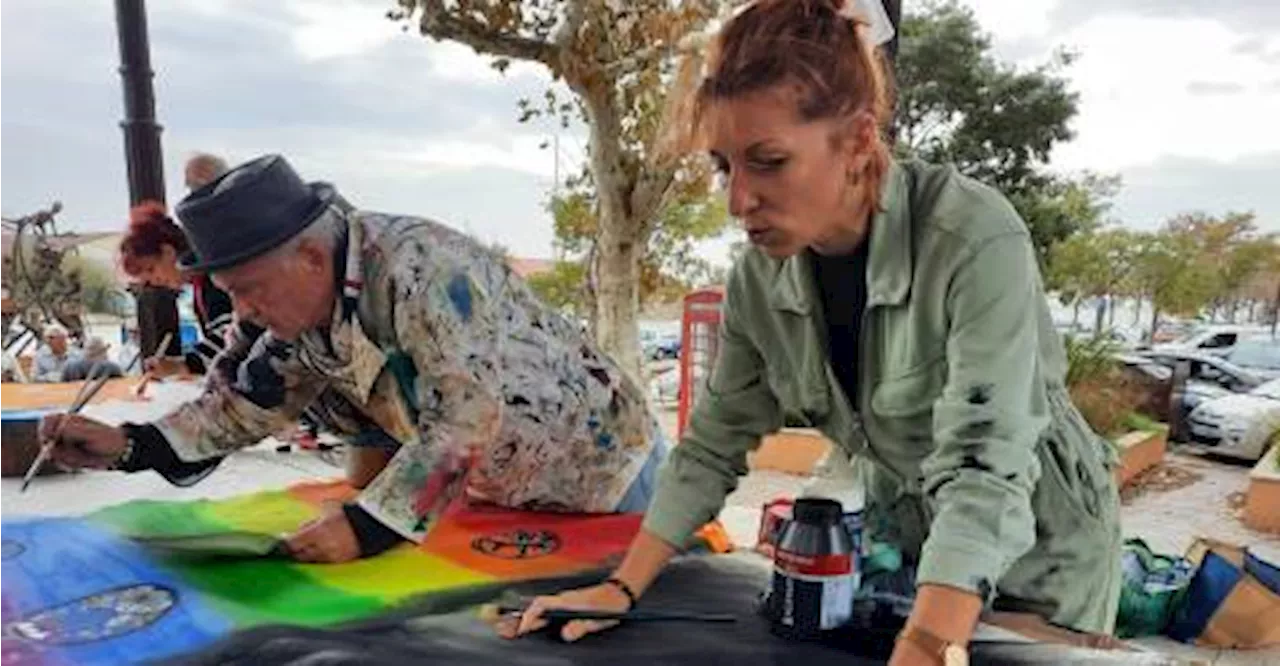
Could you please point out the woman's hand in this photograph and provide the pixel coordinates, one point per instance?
(604, 597)
(164, 367)
(644, 559)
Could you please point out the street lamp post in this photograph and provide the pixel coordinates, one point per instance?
(157, 307)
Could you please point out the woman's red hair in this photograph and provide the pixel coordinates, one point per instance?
(150, 229)
(813, 49)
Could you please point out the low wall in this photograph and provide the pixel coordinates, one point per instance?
(1262, 499)
(1139, 452)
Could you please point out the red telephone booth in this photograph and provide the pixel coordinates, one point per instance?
(699, 343)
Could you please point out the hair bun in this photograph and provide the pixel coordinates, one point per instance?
(148, 213)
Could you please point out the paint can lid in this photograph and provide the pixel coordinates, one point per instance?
(817, 511)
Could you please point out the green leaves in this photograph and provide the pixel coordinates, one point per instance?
(958, 103)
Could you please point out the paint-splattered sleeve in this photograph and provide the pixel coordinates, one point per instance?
(450, 329)
(270, 391)
(733, 412)
(987, 422)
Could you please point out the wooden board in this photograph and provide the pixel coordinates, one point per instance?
(61, 395)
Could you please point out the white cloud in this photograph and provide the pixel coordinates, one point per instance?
(1137, 100)
(328, 30)
(456, 62)
(1015, 19)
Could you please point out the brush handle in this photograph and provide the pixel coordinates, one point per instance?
(568, 615)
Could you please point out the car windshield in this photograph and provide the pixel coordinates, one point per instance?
(1265, 355)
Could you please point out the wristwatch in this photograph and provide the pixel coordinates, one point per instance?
(946, 653)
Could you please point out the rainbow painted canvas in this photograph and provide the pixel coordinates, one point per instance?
(89, 590)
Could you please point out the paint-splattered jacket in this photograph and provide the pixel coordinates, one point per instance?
(975, 462)
(437, 343)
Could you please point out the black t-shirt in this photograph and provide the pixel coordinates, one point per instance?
(842, 284)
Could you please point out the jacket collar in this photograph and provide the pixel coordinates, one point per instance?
(889, 260)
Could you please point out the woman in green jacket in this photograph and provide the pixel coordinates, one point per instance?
(898, 307)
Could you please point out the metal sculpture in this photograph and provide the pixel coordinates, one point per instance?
(41, 288)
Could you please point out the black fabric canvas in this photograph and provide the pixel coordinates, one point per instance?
(445, 629)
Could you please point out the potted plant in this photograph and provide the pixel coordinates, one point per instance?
(1118, 406)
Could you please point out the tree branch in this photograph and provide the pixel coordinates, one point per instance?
(650, 194)
(438, 22)
(574, 14)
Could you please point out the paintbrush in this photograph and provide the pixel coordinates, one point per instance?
(146, 374)
(492, 612)
(92, 384)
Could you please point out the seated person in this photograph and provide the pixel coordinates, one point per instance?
(130, 349)
(52, 358)
(11, 371)
(95, 354)
(409, 337)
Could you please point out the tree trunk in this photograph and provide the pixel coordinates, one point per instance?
(1155, 321)
(1075, 314)
(1275, 311)
(618, 301)
(1111, 313)
(620, 244)
(1137, 310)
(1099, 312)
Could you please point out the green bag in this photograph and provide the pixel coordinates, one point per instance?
(1152, 584)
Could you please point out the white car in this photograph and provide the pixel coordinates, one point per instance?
(1238, 425)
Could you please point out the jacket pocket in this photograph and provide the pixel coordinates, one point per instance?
(1072, 478)
(910, 393)
(804, 399)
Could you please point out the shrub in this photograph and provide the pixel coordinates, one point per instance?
(1105, 395)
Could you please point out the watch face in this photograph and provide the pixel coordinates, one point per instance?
(955, 655)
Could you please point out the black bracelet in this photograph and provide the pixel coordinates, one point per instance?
(626, 589)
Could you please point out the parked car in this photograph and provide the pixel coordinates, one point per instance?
(664, 347)
(1238, 425)
(1207, 377)
(1218, 340)
(1260, 356)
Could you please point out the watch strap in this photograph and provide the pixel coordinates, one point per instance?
(931, 643)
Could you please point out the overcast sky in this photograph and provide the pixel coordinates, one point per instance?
(1180, 97)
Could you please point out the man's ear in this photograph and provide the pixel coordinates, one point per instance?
(314, 257)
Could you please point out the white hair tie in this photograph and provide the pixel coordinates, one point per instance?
(871, 12)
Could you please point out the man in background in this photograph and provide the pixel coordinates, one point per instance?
(54, 356)
(203, 169)
(95, 354)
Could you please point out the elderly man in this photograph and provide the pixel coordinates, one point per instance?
(203, 169)
(53, 358)
(95, 354)
(410, 337)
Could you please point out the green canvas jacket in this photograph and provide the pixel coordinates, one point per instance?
(974, 460)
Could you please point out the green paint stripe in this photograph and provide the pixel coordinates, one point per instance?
(254, 592)
(249, 592)
(152, 518)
